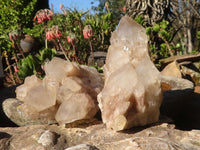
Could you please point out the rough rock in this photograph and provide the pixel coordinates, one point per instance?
(47, 138)
(64, 84)
(194, 74)
(171, 83)
(161, 136)
(172, 69)
(132, 92)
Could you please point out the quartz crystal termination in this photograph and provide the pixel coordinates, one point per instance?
(132, 92)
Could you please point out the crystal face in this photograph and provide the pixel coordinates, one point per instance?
(132, 92)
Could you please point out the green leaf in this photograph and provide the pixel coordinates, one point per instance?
(139, 19)
(156, 28)
(148, 30)
(178, 45)
(164, 24)
(198, 35)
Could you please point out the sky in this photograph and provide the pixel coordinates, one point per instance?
(78, 4)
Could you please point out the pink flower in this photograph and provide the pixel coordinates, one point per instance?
(14, 36)
(61, 6)
(124, 9)
(35, 18)
(43, 15)
(106, 4)
(70, 40)
(52, 35)
(58, 33)
(40, 18)
(10, 36)
(49, 14)
(16, 69)
(48, 37)
(87, 31)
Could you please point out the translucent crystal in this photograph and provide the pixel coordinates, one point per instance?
(132, 92)
(77, 107)
(42, 96)
(66, 86)
(59, 69)
(21, 91)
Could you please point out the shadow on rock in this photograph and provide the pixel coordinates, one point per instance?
(4, 94)
(183, 106)
(189, 118)
(4, 135)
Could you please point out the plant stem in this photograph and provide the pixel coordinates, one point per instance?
(9, 67)
(46, 45)
(75, 58)
(91, 51)
(45, 30)
(167, 44)
(63, 50)
(20, 50)
(15, 57)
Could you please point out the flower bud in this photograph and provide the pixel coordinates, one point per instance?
(124, 9)
(87, 31)
(106, 4)
(61, 6)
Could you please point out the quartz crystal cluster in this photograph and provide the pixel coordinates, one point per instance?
(69, 91)
(132, 92)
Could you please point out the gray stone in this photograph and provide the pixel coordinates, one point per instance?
(99, 58)
(82, 147)
(47, 138)
(12, 108)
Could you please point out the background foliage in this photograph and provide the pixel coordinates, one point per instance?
(172, 26)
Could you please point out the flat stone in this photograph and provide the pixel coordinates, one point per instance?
(181, 58)
(21, 115)
(172, 69)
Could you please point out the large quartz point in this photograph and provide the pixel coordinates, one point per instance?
(68, 89)
(132, 92)
(77, 107)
